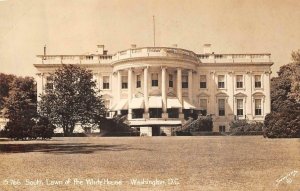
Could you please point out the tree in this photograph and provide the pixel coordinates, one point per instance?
(73, 99)
(5, 86)
(21, 108)
(284, 119)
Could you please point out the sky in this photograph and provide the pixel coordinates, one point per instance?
(77, 26)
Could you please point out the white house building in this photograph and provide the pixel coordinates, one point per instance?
(158, 88)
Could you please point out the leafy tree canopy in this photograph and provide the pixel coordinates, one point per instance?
(5, 85)
(284, 120)
(21, 107)
(73, 99)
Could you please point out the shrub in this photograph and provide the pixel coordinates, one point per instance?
(43, 129)
(238, 126)
(203, 123)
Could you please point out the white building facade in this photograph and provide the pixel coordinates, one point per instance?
(159, 88)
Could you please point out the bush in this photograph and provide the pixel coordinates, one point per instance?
(19, 129)
(43, 129)
(183, 133)
(116, 124)
(238, 126)
(202, 124)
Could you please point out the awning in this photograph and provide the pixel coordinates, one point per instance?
(137, 103)
(173, 103)
(121, 105)
(187, 105)
(155, 102)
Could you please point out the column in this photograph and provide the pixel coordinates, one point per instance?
(119, 87)
(129, 93)
(146, 111)
(179, 91)
(230, 109)
(190, 85)
(248, 111)
(164, 93)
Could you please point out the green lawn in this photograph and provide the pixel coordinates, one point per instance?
(173, 163)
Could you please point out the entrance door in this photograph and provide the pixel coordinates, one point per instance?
(156, 130)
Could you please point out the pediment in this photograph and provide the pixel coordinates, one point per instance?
(240, 95)
(258, 94)
(221, 94)
(203, 95)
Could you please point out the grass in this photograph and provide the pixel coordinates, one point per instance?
(196, 163)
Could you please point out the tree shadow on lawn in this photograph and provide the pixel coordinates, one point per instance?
(67, 148)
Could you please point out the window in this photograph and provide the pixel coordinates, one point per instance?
(154, 78)
(170, 81)
(222, 128)
(258, 107)
(203, 107)
(124, 82)
(137, 113)
(257, 83)
(202, 81)
(239, 81)
(49, 83)
(89, 57)
(138, 81)
(239, 106)
(185, 83)
(173, 112)
(221, 104)
(105, 82)
(221, 81)
(155, 112)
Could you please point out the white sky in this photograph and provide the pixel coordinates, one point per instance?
(77, 26)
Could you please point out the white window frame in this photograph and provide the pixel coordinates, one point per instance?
(262, 98)
(102, 82)
(225, 81)
(218, 106)
(261, 81)
(202, 81)
(125, 78)
(236, 81)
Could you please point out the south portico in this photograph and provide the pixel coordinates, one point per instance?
(153, 90)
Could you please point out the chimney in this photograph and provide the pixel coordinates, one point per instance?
(133, 46)
(45, 52)
(100, 49)
(206, 49)
(174, 45)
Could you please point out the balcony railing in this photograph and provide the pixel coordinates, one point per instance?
(167, 52)
(234, 58)
(156, 52)
(74, 59)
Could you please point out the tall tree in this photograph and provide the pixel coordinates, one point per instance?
(295, 85)
(21, 107)
(73, 99)
(284, 119)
